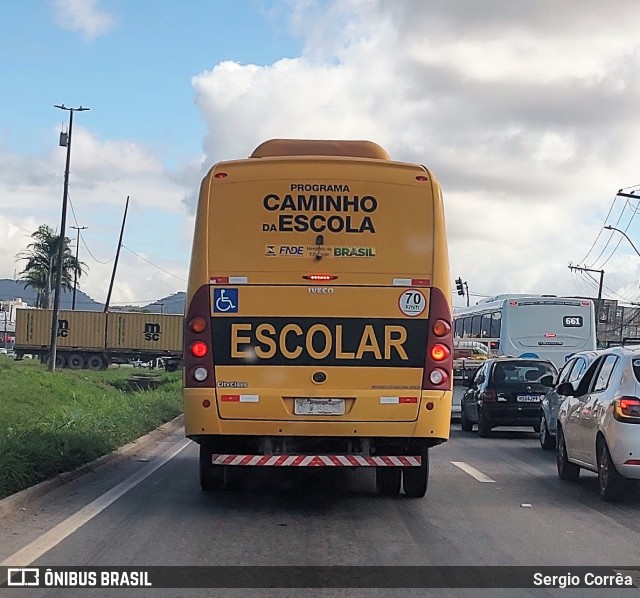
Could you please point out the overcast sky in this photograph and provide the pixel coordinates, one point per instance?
(526, 111)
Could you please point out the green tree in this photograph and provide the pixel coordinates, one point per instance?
(40, 271)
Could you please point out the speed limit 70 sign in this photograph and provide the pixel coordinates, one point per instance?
(412, 303)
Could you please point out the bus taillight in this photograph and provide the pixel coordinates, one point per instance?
(440, 352)
(438, 377)
(200, 373)
(320, 277)
(197, 324)
(439, 358)
(199, 349)
(197, 353)
(441, 328)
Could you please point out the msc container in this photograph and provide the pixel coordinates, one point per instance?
(160, 333)
(76, 329)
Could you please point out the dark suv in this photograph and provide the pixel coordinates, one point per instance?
(506, 392)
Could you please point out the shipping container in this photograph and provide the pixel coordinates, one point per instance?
(145, 332)
(94, 340)
(76, 329)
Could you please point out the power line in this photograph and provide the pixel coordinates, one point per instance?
(152, 264)
(93, 256)
(72, 210)
(584, 259)
(633, 215)
(611, 235)
(95, 259)
(635, 209)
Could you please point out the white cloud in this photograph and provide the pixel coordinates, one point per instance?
(85, 16)
(103, 174)
(526, 112)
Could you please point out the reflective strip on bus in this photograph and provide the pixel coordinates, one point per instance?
(398, 400)
(240, 398)
(316, 460)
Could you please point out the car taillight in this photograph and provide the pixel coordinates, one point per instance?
(488, 396)
(627, 409)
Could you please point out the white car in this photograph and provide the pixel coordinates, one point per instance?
(599, 422)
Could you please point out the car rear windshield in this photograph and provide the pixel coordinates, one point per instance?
(521, 372)
(636, 367)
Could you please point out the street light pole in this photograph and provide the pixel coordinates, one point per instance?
(609, 227)
(75, 272)
(56, 302)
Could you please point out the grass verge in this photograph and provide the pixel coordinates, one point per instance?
(54, 422)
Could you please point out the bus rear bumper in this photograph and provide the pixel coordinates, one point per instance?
(432, 422)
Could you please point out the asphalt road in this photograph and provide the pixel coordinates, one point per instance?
(495, 501)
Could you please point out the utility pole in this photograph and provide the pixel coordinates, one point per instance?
(75, 273)
(64, 140)
(115, 264)
(599, 301)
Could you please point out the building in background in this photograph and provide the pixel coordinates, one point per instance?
(618, 324)
(8, 321)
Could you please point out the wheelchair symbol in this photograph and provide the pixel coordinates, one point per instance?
(225, 301)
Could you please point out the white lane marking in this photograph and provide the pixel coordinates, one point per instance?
(33, 551)
(473, 472)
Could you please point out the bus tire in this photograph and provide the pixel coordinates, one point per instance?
(388, 480)
(484, 427)
(75, 361)
(96, 363)
(465, 423)
(211, 476)
(416, 479)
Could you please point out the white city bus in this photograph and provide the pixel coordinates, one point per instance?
(531, 326)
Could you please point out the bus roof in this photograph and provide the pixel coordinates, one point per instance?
(498, 301)
(319, 147)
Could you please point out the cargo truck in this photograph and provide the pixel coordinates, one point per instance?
(94, 340)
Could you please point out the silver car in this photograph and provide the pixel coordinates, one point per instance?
(571, 372)
(599, 422)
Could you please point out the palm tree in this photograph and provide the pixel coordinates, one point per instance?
(41, 268)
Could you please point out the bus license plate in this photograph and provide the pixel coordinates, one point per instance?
(319, 407)
(528, 398)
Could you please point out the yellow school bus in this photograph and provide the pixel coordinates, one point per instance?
(318, 325)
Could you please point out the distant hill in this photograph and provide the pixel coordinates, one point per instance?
(12, 289)
(173, 304)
